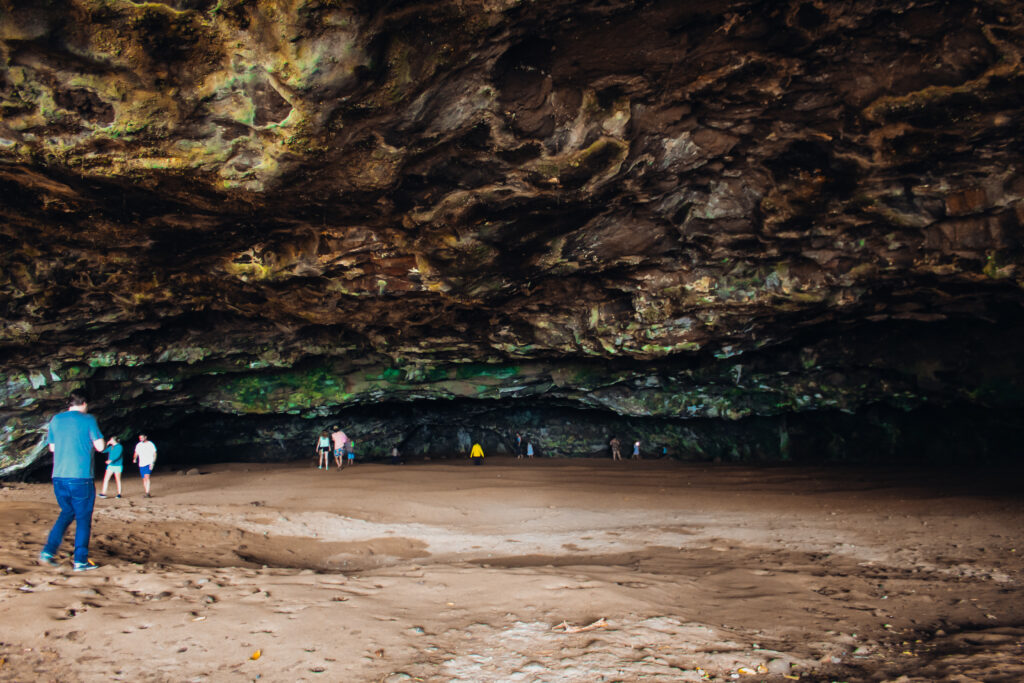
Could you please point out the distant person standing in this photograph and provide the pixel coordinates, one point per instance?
(519, 446)
(72, 436)
(145, 455)
(636, 450)
(115, 465)
(529, 449)
(339, 439)
(476, 454)
(396, 457)
(323, 450)
(351, 452)
(616, 448)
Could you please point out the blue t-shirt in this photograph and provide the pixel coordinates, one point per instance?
(72, 433)
(114, 454)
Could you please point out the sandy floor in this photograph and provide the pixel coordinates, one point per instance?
(446, 572)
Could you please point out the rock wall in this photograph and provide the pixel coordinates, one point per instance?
(702, 213)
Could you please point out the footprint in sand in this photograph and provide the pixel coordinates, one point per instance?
(74, 609)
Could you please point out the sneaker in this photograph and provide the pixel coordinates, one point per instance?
(86, 566)
(119, 495)
(148, 496)
(48, 559)
(102, 495)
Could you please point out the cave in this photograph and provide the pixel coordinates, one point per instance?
(763, 232)
(778, 245)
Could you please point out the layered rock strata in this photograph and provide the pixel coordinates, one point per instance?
(701, 214)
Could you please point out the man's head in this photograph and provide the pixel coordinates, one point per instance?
(77, 400)
(114, 440)
(142, 437)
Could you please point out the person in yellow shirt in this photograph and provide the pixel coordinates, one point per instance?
(476, 454)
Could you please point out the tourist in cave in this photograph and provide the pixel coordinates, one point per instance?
(71, 437)
(636, 450)
(339, 438)
(616, 448)
(529, 449)
(351, 452)
(115, 465)
(145, 455)
(476, 454)
(396, 457)
(519, 446)
(323, 450)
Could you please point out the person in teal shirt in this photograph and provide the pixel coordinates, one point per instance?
(115, 465)
(72, 436)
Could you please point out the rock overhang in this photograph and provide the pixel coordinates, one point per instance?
(723, 211)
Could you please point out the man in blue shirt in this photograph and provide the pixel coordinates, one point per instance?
(72, 436)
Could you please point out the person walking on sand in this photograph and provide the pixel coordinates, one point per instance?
(476, 454)
(323, 450)
(616, 445)
(115, 465)
(636, 450)
(145, 455)
(339, 439)
(72, 436)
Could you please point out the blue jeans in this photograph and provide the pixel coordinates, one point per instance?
(76, 498)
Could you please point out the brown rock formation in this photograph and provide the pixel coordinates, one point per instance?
(654, 209)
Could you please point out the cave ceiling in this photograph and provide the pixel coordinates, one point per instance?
(666, 209)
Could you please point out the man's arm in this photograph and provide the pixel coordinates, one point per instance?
(98, 442)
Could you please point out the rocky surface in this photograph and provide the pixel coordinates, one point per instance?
(701, 224)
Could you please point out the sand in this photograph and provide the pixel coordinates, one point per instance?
(440, 571)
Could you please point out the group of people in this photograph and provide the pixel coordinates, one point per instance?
(617, 449)
(72, 436)
(144, 454)
(335, 442)
(524, 447)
